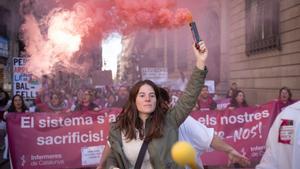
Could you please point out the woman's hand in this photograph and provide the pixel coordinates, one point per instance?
(236, 157)
(201, 54)
(233, 156)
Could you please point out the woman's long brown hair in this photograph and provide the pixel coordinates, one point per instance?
(233, 101)
(128, 120)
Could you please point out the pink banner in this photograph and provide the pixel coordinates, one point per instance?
(246, 129)
(49, 140)
(76, 140)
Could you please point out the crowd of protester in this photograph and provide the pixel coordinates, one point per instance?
(59, 94)
(55, 98)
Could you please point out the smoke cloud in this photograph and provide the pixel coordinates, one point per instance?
(57, 33)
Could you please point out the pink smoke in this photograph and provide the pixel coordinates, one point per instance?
(150, 14)
(63, 33)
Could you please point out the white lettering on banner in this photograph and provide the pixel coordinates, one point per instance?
(50, 122)
(46, 159)
(27, 122)
(51, 162)
(257, 151)
(234, 119)
(71, 138)
(212, 121)
(244, 118)
(246, 133)
(45, 156)
(111, 118)
(60, 122)
(100, 119)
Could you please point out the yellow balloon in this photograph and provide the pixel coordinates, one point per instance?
(183, 153)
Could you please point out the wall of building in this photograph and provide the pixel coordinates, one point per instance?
(261, 75)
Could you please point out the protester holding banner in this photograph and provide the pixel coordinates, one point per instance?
(283, 142)
(17, 106)
(4, 98)
(143, 121)
(284, 98)
(238, 100)
(56, 104)
(205, 101)
(86, 103)
(4, 103)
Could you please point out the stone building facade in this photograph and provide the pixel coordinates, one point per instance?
(261, 73)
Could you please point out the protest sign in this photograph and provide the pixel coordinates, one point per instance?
(52, 140)
(76, 140)
(246, 129)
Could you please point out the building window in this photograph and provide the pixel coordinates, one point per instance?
(262, 26)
